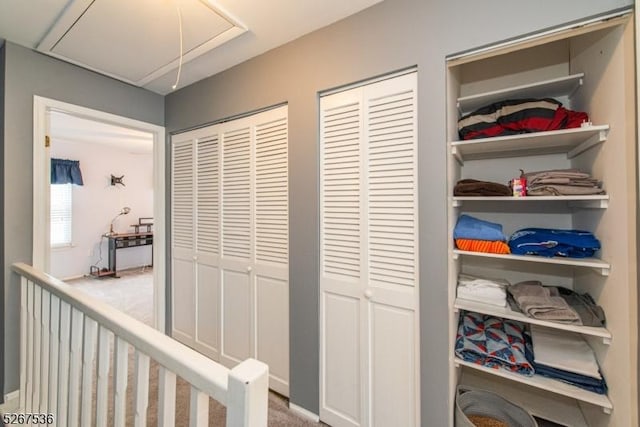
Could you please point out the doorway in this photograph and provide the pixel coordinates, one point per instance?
(48, 112)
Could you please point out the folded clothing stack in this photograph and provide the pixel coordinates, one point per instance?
(566, 357)
(553, 242)
(543, 303)
(474, 187)
(555, 304)
(517, 116)
(493, 342)
(476, 235)
(483, 290)
(562, 182)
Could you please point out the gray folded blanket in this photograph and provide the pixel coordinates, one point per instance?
(562, 182)
(544, 303)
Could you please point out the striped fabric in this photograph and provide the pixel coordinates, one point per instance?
(518, 116)
(486, 246)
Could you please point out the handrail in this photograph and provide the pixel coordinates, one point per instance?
(201, 372)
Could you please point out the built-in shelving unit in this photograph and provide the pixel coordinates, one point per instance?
(584, 69)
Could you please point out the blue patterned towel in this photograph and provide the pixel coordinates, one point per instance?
(492, 342)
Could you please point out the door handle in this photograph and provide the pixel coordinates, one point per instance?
(249, 269)
(368, 293)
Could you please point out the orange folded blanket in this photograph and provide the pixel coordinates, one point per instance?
(488, 246)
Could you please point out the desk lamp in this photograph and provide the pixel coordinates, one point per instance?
(123, 211)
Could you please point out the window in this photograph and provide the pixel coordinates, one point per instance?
(61, 208)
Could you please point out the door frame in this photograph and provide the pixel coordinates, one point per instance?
(41, 192)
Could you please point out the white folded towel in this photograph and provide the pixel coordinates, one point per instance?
(564, 350)
(499, 301)
(484, 290)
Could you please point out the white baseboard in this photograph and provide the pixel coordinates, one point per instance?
(304, 413)
(11, 402)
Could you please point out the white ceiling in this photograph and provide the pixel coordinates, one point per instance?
(139, 41)
(65, 127)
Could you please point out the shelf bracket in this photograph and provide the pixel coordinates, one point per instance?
(575, 88)
(606, 411)
(456, 203)
(456, 154)
(606, 341)
(456, 256)
(603, 271)
(594, 140)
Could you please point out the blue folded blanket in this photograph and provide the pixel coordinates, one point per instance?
(551, 242)
(469, 227)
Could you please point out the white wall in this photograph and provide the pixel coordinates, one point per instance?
(97, 202)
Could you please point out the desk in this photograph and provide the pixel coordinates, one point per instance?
(123, 241)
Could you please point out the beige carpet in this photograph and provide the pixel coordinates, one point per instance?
(132, 293)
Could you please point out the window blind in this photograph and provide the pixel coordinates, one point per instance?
(61, 214)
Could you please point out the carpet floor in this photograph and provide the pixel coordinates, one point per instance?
(132, 293)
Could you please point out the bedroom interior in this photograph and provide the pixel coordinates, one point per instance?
(306, 188)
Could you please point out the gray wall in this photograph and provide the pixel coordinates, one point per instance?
(28, 73)
(389, 36)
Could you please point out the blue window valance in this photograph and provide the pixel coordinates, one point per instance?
(65, 172)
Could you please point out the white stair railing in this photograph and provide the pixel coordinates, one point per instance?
(65, 338)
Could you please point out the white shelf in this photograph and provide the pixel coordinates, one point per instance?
(570, 141)
(507, 313)
(600, 201)
(559, 409)
(562, 86)
(598, 264)
(545, 383)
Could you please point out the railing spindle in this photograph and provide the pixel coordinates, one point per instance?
(54, 341)
(198, 409)
(88, 356)
(75, 366)
(23, 343)
(45, 320)
(102, 392)
(120, 387)
(142, 389)
(29, 384)
(63, 366)
(37, 349)
(166, 398)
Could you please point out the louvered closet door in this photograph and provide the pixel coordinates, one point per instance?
(236, 261)
(182, 239)
(207, 244)
(391, 295)
(369, 255)
(271, 243)
(342, 273)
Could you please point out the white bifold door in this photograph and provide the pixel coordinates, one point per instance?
(369, 364)
(230, 242)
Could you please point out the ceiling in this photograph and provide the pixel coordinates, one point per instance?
(69, 128)
(139, 41)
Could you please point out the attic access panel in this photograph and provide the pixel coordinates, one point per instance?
(137, 41)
